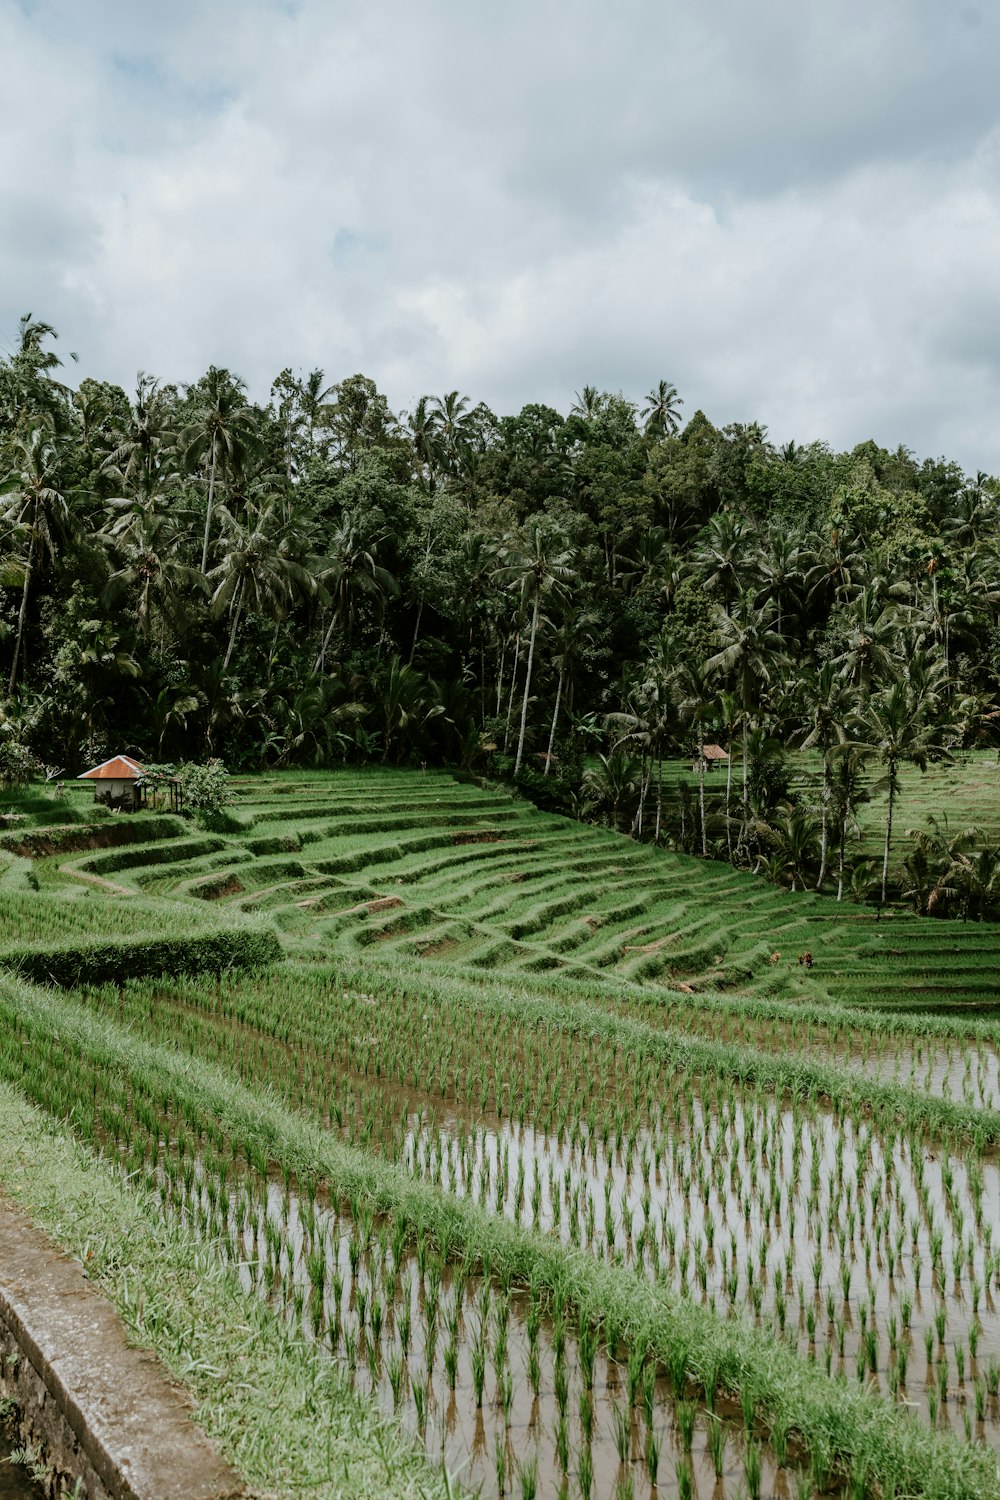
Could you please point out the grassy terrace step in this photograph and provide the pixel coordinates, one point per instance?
(555, 931)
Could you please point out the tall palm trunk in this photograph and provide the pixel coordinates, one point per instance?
(825, 819)
(888, 838)
(552, 731)
(659, 795)
(232, 633)
(23, 611)
(208, 512)
(746, 775)
(527, 685)
(729, 803)
(645, 777)
(701, 797)
(320, 663)
(503, 658)
(513, 686)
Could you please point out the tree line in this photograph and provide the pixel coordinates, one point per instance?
(564, 600)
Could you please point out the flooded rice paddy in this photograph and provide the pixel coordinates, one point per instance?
(510, 1394)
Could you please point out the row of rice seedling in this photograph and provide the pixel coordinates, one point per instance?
(953, 1055)
(646, 1170)
(38, 916)
(75, 1063)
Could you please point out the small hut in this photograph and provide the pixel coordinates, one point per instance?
(711, 756)
(118, 783)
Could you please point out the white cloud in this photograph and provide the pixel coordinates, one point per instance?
(791, 214)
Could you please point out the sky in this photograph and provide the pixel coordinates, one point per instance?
(790, 211)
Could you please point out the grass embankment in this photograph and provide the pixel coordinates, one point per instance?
(49, 1040)
(277, 1408)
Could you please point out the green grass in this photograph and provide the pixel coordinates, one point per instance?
(464, 975)
(278, 1410)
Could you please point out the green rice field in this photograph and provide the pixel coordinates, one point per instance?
(484, 1151)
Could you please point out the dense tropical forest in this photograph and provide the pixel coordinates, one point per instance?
(563, 600)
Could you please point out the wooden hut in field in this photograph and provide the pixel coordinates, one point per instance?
(118, 783)
(711, 756)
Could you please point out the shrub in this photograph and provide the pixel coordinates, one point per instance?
(67, 965)
(205, 789)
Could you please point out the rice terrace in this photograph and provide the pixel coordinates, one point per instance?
(436, 1143)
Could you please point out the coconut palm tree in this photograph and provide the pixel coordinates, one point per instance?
(254, 573)
(37, 511)
(143, 445)
(314, 397)
(351, 569)
(537, 565)
(749, 657)
(893, 723)
(587, 403)
(826, 703)
(699, 704)
(148, 544)
(661, 412)
(222, 428)
(573, 635)
(873, 638)
(721, 555)
(648, 724)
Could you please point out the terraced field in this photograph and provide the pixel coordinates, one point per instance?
(541, 1143)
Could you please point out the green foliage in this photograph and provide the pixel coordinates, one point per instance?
(205, 789)
(70, 965)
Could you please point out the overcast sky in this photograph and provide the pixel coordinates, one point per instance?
(790, 210)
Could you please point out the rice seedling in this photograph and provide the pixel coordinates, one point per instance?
(713, 1163)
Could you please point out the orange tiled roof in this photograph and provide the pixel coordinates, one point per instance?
(120, 768)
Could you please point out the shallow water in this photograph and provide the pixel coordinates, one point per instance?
(422, 1341)
(739, 1217)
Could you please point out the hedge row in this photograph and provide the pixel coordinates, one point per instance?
(39, 843)
(156, 854)
(277, 844)
(113, 961)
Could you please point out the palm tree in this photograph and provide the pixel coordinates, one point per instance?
(587, 403)
(661, 410)
(648, 723)
(721, 554)
(749, 656)
(148, 545)
(612, 782)
(313, 399)
(826, 703)
(699, 702)
(351, 568)
(871, 649)
(222, 428)
(731, 716)
(793, 842)
(453, 421)
(892, 723)
(254, 572)
(38, 511)
(572, 636)
(407, 700)
(141, 446)
(425, 436)
(538, 565)
(779, 569)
